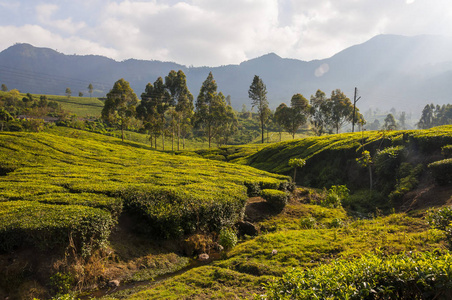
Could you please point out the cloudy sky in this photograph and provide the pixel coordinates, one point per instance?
(214, 32)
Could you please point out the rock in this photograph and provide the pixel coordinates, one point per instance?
(203, 257)
(247, 228)
(274, 252)
(113, 283)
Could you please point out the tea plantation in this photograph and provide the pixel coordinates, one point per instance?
(70, 183)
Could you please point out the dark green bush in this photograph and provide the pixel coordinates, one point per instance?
(25, 223)
(387, 162)
(335, 195)
(277, 199)
(227, 238)
(442, 171)
(442, 219)
(407, 179)
(447, 151)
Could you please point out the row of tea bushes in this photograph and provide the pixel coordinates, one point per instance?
(46, 226)
(417, 276)
(171, 194)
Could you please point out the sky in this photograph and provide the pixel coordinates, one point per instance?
(214, 32)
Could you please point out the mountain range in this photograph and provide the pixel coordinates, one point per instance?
(390, 71)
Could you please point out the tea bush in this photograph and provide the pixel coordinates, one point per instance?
(417, 276)
(447, 151)
(442, 171)
(171, 195)
(277, 199)
(46, 226)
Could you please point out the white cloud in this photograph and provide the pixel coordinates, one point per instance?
(40, 37)
(206, 32)
(45, 14)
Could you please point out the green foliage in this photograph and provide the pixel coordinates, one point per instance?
(407, 179)
(447, 151)
(308, 223)
(61, 283)
(442, 219)
(331, 159)
(277, 199)
(416, 276)
(170, 195)
(335, 195)
(442, 171)
(46, 226)
(227, 238)
(297, 162)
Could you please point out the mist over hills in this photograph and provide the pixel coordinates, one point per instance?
(389, 71)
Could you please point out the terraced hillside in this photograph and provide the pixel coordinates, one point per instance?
(52, 183)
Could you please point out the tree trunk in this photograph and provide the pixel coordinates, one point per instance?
(262, 125)
(178, 137)
(209, 135)
(122, 132)
(370, 177)
(294, 174)
(163, 140)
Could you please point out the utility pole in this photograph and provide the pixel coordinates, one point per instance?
(354, 108)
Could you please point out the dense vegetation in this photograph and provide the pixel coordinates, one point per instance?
(75, 176)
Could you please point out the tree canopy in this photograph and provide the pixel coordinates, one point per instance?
(119, 108)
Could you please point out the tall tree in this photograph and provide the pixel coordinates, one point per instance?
(90, 90)
(390, 122)
(293, 117)
(153, 107)
(182, 101)
(341, 109)
(68, 92)
(427, 117)
(320, 112)
(119, 108)
(258, 95)
(210, 108)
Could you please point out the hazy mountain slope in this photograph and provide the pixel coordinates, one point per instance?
(389, 71)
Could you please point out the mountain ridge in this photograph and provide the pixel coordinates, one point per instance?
(389, 70)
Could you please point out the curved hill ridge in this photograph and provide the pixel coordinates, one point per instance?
(389, 71)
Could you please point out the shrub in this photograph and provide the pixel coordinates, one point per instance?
(336, 223)
(52, 226)
(227, 238)
(447, 151)
(406, 181)
(308, 223)
(416, 276)
(335, 195)
(442, 171)
(277, 199)
(387, 162)
(442, 219)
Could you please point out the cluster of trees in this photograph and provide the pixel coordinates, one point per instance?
(12, 103)
(435, 116)
(324, 114)
(167, 109)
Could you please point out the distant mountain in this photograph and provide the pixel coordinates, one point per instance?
(389, 71)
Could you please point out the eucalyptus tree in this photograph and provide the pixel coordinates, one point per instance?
(210, 108)
(120, 106)
(181, 101)
(293, 117)
(155, 102)
(90, 90)
(258, 95)
(340, 109)
(320, 113)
